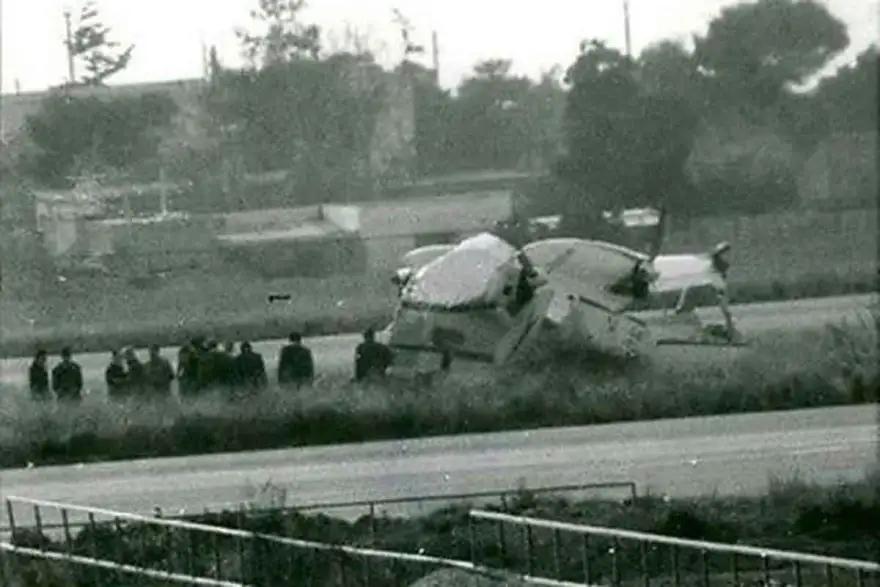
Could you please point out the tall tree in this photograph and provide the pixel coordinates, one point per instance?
(625, 147)
(849, 98)
(489, 120)
(757, 50)
(283, 38)
(91, 45)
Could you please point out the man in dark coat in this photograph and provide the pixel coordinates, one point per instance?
(250, 368)
(67, 380)
(372, 358)
(188, 367)
(38, 377)
(159, 373)
(116, 377)
(296, 365)
(137, 375)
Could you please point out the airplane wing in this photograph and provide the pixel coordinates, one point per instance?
(586, 269)
(418, 258)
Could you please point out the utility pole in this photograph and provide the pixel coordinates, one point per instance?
(69, 44)
(2, 135)
(626, 28)
(435, 52)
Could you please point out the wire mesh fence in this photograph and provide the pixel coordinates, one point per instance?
(591, 555)
(117, 548)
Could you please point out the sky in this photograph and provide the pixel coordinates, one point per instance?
(169, 35)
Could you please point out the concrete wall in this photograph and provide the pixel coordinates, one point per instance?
(450, 214)
(345, 217)
(266, 219)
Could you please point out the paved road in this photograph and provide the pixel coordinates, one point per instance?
(684, 457)
(334, 354)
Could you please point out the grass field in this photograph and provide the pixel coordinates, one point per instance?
(792, 516)
(838, 366)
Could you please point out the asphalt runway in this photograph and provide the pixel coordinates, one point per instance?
(727, 455)
(334, 355)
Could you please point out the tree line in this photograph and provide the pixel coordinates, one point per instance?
(713, 127)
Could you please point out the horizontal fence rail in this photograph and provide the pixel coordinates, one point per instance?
(678, 549)
(114, 567)
(247, 548)
(371, 505)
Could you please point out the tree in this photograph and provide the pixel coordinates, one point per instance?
(284, 37)
(625, 147)
(91, 44)
(489, 126)
(849, 98)
(82, 135)
(755, 51)
(668, 69)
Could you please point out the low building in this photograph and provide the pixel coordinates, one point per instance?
(356, 238)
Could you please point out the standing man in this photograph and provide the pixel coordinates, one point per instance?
(296, 364)
(721, 265)
(137, 375)
(67, 381)
(159, 373)
(250, 369)
(38, 377)
(116, 377)
(188, 367)
(371, 358)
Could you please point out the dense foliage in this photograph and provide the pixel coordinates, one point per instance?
(75, 134)
(723, 126)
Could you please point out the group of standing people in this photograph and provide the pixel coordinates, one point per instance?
(201, 365)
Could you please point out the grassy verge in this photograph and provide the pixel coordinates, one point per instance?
(835, 367)
(792, 516)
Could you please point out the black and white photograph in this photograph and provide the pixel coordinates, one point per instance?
(439, 293)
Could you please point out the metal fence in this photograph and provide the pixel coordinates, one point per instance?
(598, 555)
(372, 508)
(143, 550)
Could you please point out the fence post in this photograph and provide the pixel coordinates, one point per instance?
(557, 562)
(68, 540)
(676, 577)
(734, 563)
(39, 521)
(473, 539)
(527, 538)
(94, 541)
(704, 563)
(11, 514)
(502, 548)
(218, 566)
(829, 578)
(797, 573)
(585, 553)
(646, 576)
(372, 524)
(366, 560)
(615, 570)
(765, 567)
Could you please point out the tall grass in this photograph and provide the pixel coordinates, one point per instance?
(835, 366)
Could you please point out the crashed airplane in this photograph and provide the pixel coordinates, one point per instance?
(484, 300)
